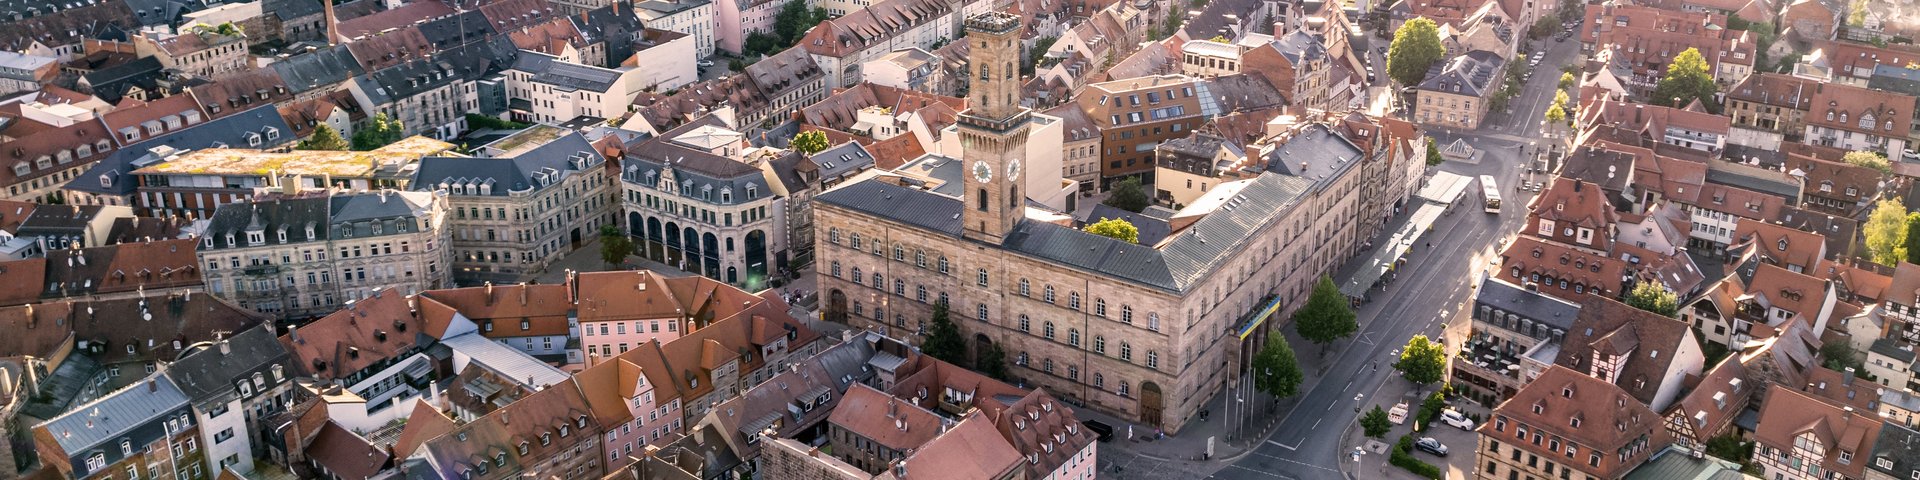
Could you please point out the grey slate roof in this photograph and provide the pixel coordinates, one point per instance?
(117, 415)
(319, 68)
(1895, 79)
(210, 375)
(230, 130)
(1177, 265)
(648, 159)
(466, 61)
(333, 217)
(457, 29)
(1316, 153)
(112, 83)
(288, 10)
(1539, 307)
(571, 76)
(536, 167)
(1757, 184)
(1900, 445)
(1887, 347)
(1472, 73)
(1299, 45)
(842, 159)
(1152, 230)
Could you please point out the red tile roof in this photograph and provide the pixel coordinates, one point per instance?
(1787, 414)
(126, 267)
(346, 454)
(360, 335)
(893, 423)
(1780, 245)
(1862, 110)
(1570, 204)
(1584, 273)
(1612, 422)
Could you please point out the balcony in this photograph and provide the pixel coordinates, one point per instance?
(1489, 357)
(257, 270)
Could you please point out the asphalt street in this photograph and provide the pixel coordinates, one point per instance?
(1435, 282)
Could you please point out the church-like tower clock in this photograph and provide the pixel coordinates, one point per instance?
(993, 129)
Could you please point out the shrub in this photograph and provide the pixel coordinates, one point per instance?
(1402, 456)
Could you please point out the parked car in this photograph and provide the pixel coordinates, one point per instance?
(704, 63)
(1429, 445)
(1456, 419)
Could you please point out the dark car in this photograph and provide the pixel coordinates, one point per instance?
(1429, 445)
(1103, 430)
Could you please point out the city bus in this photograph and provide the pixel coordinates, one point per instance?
(1491, 192)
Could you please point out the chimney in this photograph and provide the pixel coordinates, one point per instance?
(489, 292)
(1849, 380)
(523, 294)
(333, 23)
(152, 386)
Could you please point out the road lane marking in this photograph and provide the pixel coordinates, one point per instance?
(1295, 446)
(1262, 472)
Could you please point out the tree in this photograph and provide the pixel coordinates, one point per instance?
(1886, 232)
(1327, 316)
(1837, 354)
(614, 246)
(1414, 49)
(992, 361)
(759, 43)
(1913, 238)
(1376, 423)
(1566, 80)
(1116, 228)
(943, 340)
(1873, 160)
(1275, 370)
(1687, 79)
(810, 142)
(1423, 361)
(378, 133)
(1556, 115)
(324, 138)
(1653, 297)
(1128, 195)
(1433, 153)
(792, 22)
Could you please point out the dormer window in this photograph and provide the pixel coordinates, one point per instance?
(253, 139)
(230, 240)
(256, 238)
(283, 235)
(309, 232)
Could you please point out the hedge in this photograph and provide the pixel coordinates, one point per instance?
(1402, 457)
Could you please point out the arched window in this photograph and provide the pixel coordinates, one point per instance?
(980, 312)
(1073, 336)
(1099, 381)
(856, 241)
(1126, 351)
(1046, 329)
(980, 277)
(1124, 391)
(1100, 307)
(836, 268)
(879, 281)
(1153, 321)
(943, 265)
(1126, 314)
(856, 276)
(833, 235)
(1153, 359)
(1073, 300)
(1025, 288)
(899, 287)
(920, 259)
(1099, 344)
(1048, 293)
(899, 253)
(1026, 324)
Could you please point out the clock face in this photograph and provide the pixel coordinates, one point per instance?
(1013, 169)
(982, 171)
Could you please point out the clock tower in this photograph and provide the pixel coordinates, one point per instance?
(993, 129)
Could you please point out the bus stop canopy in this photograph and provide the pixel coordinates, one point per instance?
(1445, 188)
(1387, 254)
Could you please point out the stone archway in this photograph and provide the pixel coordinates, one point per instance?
(836, 307)
(656, 246)
(1151, 401)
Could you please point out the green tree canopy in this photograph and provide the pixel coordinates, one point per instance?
(1653, 297)
(614, 246)
(1873, 160)
(1117, 228)
(1886, 232)
(1327, 316)
(324, 138)
(1423, 361)
(943, 340)
(1837, 354)
(1433, 153)
(1376, 423)
(810, 142)
(1567, 81)
(378, 133)
(792, 21)
(1556, 115)
(992, 361)
(1913, 238)
(1687, 79)
(1129, 195)
(1275, 370)
(1414, 49)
